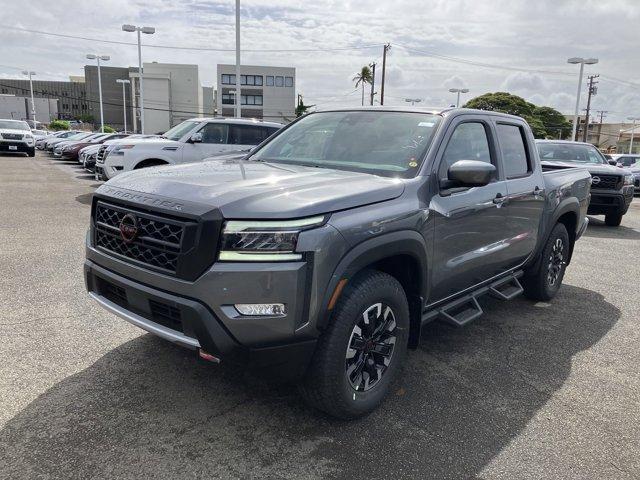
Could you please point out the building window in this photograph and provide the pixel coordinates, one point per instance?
(279, 81)
(288, 81)
(228, 79)
(269, 80)
(251, 99)
(228, 99)
(251, 80)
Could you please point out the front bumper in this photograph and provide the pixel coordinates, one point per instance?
(200, 314)
(610, 201)
(9, 146)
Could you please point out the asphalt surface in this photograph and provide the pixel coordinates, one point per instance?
(527, 391)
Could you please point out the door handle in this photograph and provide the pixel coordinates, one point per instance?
(537, 192)
(499, 200)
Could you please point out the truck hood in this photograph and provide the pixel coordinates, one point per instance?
(151, 141)
(248, 189)
(593, 169)
(14, 131)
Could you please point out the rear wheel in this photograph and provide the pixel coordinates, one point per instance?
(545, 282)
(362, 351)
(613, 219)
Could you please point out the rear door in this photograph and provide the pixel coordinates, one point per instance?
(243, 137)
(525, 187)
(470, 224)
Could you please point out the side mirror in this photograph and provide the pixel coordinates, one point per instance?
(196, 138)
(470, 173)
(612, 162)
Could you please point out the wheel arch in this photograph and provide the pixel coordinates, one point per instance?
(151, 162)
(402, 254)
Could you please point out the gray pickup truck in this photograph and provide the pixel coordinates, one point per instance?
(320, 254)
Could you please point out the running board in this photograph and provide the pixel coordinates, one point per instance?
(507, 290)
(463, 310)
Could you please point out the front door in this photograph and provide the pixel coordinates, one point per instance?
(214, 140)
(471, 230)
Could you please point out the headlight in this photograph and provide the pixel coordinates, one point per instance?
(628, 179)
(264, 241)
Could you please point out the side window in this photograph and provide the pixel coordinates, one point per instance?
(247, 134)
(214, 133)
(468, 142)
(514, 152)
(594, 156)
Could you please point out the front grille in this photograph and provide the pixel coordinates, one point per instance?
(114, 293)
(12, 136)
(610, 182)
(158, 243)
(637, 183)
(101, 154)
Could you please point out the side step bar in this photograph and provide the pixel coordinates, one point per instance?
(463, 310)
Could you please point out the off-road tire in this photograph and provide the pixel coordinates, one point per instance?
(613, 219)
(326, 385)
(537, 285)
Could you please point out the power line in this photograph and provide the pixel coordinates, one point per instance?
(204, 49)
(482, 64)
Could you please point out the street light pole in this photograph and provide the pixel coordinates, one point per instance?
(33, 103)
(238, 98)
(147, 31)
(458, 91)
(124, 101)
(582, 62)
(634, 119)
(92, 56)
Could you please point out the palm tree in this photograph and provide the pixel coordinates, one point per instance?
(362, 78)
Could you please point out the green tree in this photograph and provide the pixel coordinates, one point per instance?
(109, 129)
(59, 125)
(301, 109)
(363, 78)
(555, 125)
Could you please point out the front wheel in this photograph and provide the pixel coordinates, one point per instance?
(363, 349)
(32, 152)
(613, 219)
(544, 283)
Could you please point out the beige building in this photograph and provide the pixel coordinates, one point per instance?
(608, 137)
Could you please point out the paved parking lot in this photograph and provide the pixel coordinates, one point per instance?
(528, 391)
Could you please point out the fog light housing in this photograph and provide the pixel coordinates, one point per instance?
(261, 309)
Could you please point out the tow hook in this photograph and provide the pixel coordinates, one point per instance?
(207, 356)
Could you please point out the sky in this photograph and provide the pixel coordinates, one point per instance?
(483, 45)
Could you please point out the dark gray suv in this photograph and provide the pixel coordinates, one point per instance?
(319, 255)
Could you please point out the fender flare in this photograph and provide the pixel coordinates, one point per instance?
(403, 242)
(568, 205)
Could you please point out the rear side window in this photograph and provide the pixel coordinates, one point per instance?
(247, 134)
(468, 142)
(514, 152)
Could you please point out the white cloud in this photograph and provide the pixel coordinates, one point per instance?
(538, 35)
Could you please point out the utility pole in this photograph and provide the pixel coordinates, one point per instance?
(387, 47)
(373, 80)
(238, 98)
(593, 90)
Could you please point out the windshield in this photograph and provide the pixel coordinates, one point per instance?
(177, 132)
(14, 124)
(382, 143)
(79, 136)
(572, 153)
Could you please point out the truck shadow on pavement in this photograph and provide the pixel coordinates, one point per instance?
(150, 409)
(598, 229)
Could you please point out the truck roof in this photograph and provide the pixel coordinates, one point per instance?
(564, 141)
(429, 110)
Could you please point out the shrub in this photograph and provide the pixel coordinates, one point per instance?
(59, 125)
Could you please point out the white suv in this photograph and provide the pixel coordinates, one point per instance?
(191, 141)
(16, 136)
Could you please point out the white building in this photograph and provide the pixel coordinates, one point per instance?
(19, 108)
(172, 94)
(268, 93)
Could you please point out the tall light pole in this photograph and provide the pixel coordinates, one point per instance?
(458, 91)
(104, 58)
(238, 88)
(124, 100)
(413, 101)
(634, 119)
(147, 31)
(33, 104)
(582, 62)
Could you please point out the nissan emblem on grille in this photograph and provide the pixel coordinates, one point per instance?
(128, 227)
(595, 180)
